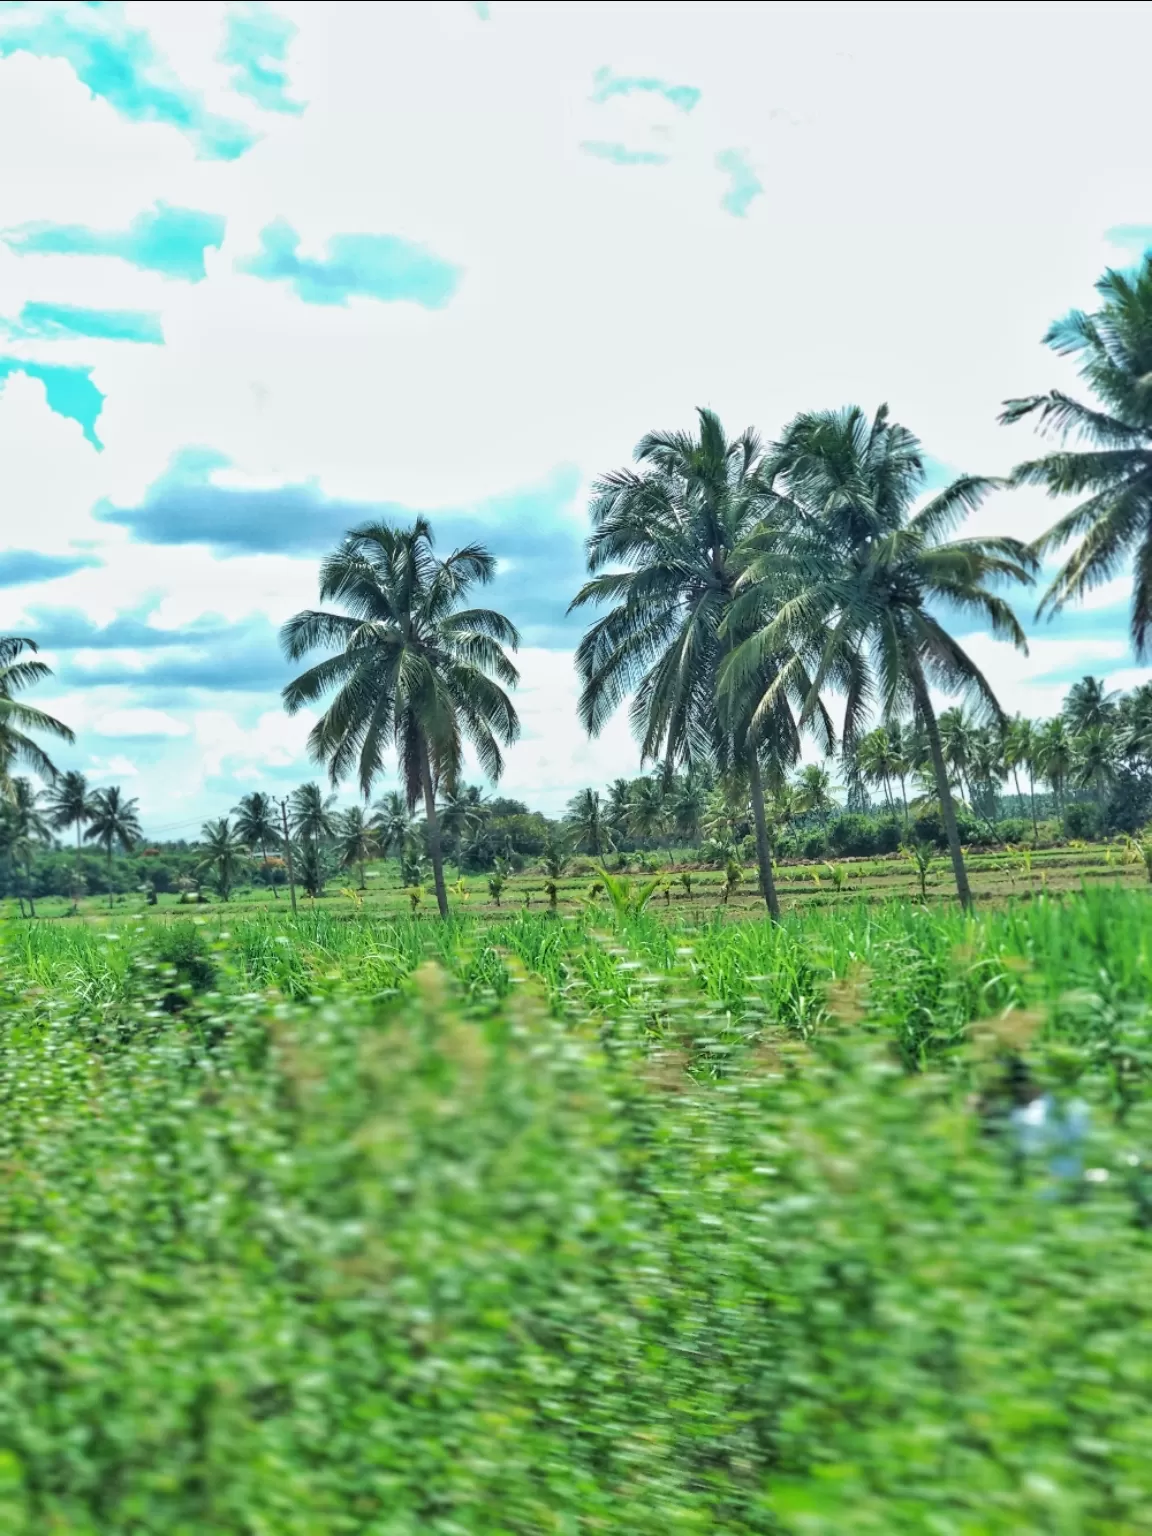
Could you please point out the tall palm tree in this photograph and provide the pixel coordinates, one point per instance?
(648, 810)
(355, 840)
(462, 813)
(1094, 761)
(224, 852)
(257, 826)
(1134, 725)
(1020, 752)
(619, 807)
(1113, 471)
(310, 814)
(688, 799)
(876, 761)
(589, 823)
(69, 804)
(17, 719)
(1089, 704)
(675, 525)
(411, 667)
(866, 575)
(113, 823)
(392, 823)
(1054, 757)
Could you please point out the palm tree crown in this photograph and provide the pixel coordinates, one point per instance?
(258, 825)
(412, 668)
(113, 822)
(1113, 471)
(224, 853)
(17, 719)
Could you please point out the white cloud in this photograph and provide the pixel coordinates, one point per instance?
(138, 722)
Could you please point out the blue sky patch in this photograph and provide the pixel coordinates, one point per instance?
(620, 154)
(70, 391)
(256, 45)
(743, 183)
(22, 567)
(118, 63)
(606, 84)
(383, 267)
(61, 322)
(171, 241)
(1134, 239)
(538, 544)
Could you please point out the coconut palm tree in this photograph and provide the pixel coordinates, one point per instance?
(876, 761)
(411, 667)
(1019, 747)
(1054, 757)
(310, 814)
(1089, 704)
(865, 575)
(355, 840)
(648, 809)
(225, 853)
(391, 823)
(113, 823)
(619, 807)
(24, 828)
(17, 719)
(587, 818)
(69, 804)
(1094, 761)
(1113, 470)
(257, 826)
(675, 525)
(813, 787)
(688, 800)
(462, 813)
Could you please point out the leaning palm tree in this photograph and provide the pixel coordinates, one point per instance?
(411, 668)
(113, 823)
(588, 821)
(355, 840)
(18, 719)
(225, 853)
(864, 576)
(675, 525)
(69, 805)
(1113, 471)
(257, 826)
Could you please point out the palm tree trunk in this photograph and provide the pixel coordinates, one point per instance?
(79, 875)
(363, 882)
(1032, 797)
(434, 849)
(944, 789)
(904, 797)
(28, 882)
(763, 852)
(270, 872)
(109, 877)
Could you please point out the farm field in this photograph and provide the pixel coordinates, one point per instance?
(682, 886)
(580, 1222)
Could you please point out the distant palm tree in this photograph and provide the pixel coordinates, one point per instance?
(1113, 525)
(619, 807)
(1089, 704)
(1020, 752)
(392, 823)
(1054, 758)
(688, 800)
(813, 787)
(959, 735)
(16, 719)
(355, 840)
(867, 575)
(69, 805)
(257, 826)
(310, 813)
(1134, 724)
(1094, 760)
(24, 828)
(462, 812)
(648, 808)
(225, 854)
(877, 762)
(113, 823)
(589, 823)
(411, 667)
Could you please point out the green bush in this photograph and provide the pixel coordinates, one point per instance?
(1082, 820)
(853, 835)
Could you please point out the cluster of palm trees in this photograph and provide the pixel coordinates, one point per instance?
(29, 817)
(747, 587)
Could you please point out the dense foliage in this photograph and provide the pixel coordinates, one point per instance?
(667, 1239)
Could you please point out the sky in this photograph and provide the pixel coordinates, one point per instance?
(269, 271)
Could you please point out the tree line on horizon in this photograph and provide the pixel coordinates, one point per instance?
(740, 585)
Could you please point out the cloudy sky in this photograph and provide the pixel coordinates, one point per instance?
(266, 271)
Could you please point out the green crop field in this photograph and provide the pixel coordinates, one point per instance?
(575, 1222)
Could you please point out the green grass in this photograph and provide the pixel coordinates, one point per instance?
(527, 1224)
